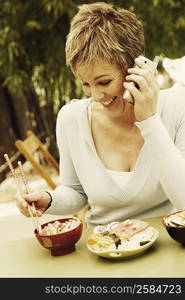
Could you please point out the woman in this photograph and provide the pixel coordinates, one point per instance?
(125, 160)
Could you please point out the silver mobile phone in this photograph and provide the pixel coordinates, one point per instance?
(152, 65)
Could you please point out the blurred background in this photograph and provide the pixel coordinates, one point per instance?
(34, 80)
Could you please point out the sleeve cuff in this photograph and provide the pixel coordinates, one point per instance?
(148, 122)
(49, 204)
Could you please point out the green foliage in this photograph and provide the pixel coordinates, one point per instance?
(33, 34)
(164, 25)
(32, 41)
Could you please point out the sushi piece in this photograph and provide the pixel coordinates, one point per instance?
(100, 242)
(131, 227)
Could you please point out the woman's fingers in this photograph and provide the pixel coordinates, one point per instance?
(146, 69)
(29, 211)
(143, 86)
(20, 202)
(33, 204)
(132, 89)
(33, 197)
(24, 204)
(137, 74)
(140, 80)
(143, 76)
(23, 207)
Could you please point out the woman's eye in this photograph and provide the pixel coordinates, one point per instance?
(85, 84)
(100, 83)
(105, 82)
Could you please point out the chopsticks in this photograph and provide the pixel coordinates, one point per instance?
(27, 192)
(35, 220)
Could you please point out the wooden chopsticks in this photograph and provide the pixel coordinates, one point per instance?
(35, 220)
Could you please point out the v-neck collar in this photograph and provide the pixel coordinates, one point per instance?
(140, 172)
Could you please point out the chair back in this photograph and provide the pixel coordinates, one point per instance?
(31, 146)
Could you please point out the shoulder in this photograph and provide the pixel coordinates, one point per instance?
(174, 94)
(71, 110)
(172, 99)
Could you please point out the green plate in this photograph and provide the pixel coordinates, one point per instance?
(126, 253)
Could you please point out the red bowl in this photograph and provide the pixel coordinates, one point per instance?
(62, 243)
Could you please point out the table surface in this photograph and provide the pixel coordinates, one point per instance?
(22, 255)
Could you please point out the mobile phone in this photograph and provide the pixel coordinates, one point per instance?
(152, 65)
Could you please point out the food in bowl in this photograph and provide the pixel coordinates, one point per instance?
(176, 219)
(116, 239)
(57, 227)
(60, 236)
(175, 226)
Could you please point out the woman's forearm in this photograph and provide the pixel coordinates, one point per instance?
(66, 200)
(167, 158)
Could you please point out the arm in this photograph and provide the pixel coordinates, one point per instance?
(168, 157)
(69, 196)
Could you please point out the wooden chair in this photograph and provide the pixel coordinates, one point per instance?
(32, 145)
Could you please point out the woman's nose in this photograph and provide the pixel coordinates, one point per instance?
(96, 95)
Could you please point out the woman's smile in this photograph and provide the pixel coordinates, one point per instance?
(109, 102)
(102, 81)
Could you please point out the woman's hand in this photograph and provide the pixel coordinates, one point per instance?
(147, 95)
(40, 199)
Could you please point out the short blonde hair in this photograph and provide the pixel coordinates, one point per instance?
(101, 31)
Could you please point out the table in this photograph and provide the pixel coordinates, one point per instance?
(22, 256)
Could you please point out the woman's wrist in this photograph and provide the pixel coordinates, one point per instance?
(147, 119)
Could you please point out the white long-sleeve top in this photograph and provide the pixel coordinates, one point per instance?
(157, 185)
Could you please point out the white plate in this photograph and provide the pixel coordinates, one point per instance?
(126, 253)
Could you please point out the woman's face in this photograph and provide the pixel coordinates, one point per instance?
(103, 82)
